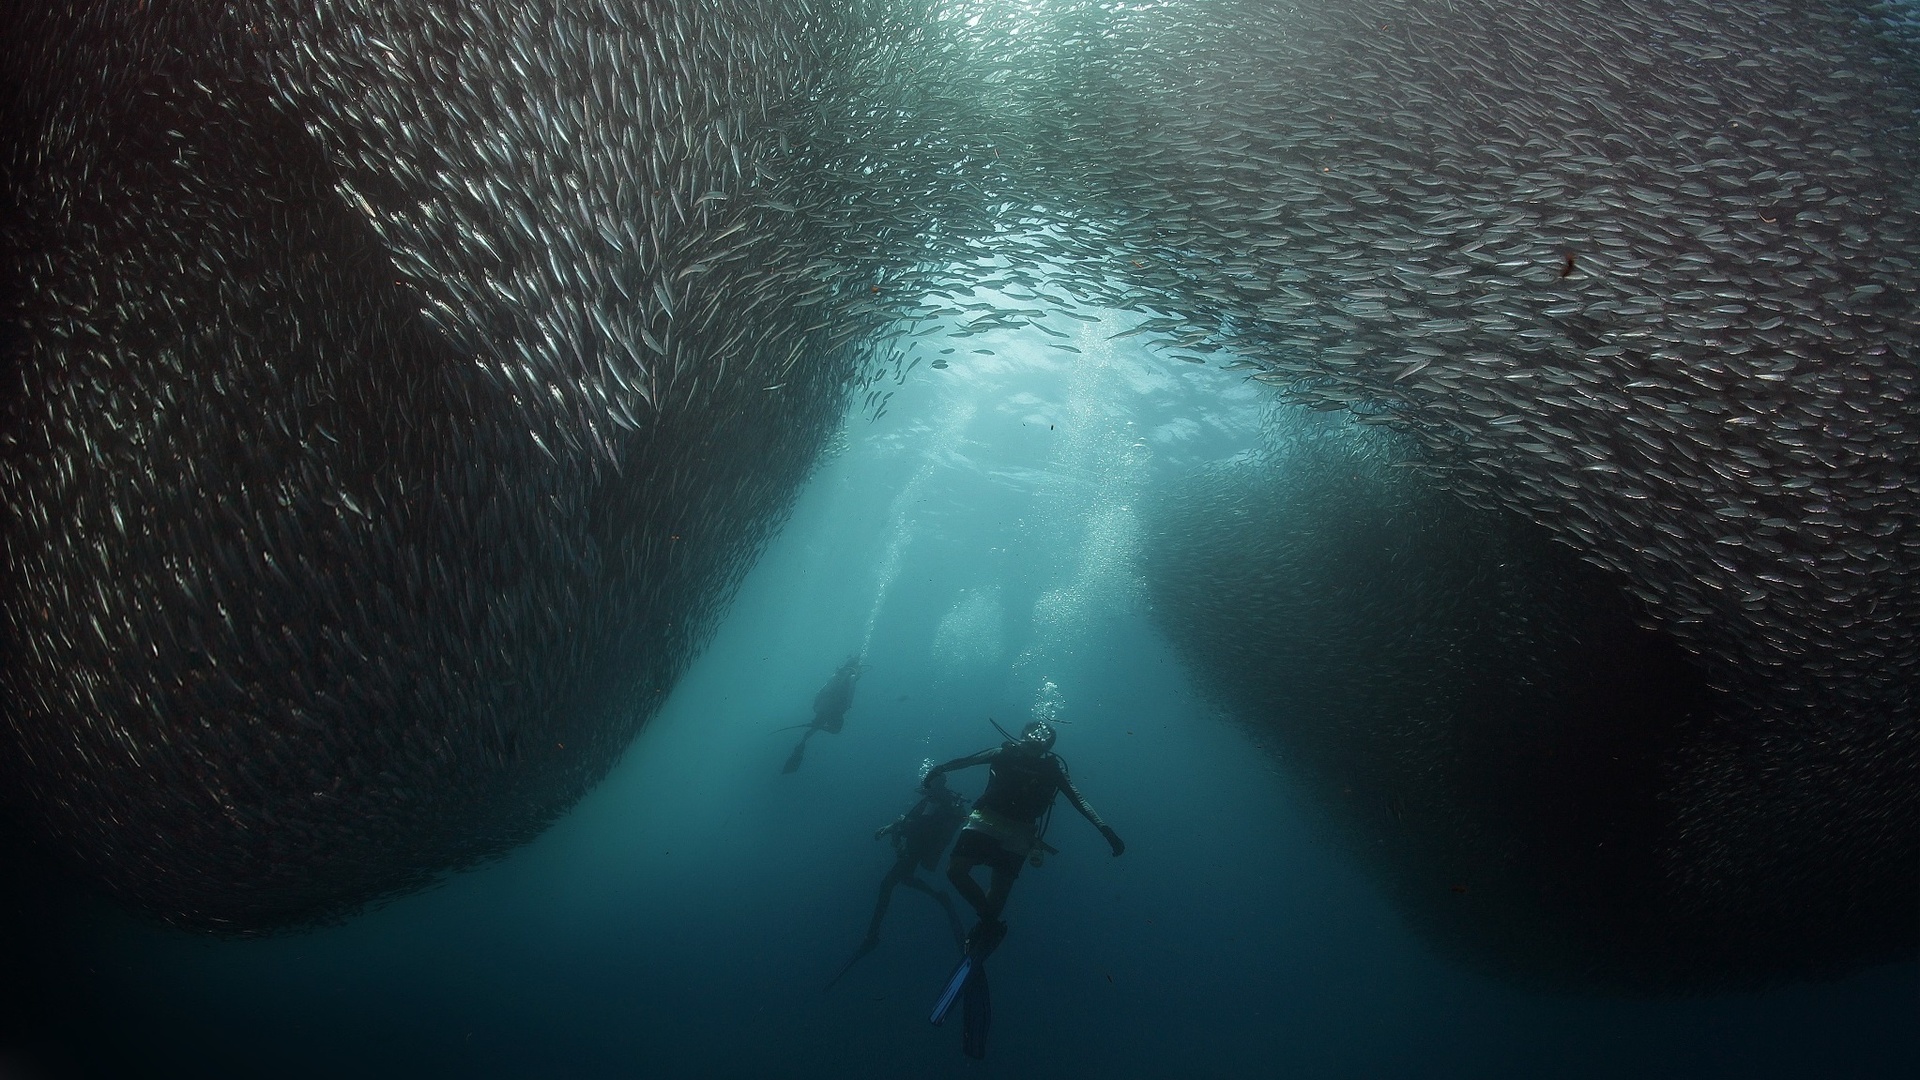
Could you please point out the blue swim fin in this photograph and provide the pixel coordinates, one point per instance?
(951, 994)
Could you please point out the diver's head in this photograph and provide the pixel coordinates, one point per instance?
(933, 781)
(1036, 737)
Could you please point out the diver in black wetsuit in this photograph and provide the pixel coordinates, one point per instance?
(1004, 830)
(830, 707)
(919, 836)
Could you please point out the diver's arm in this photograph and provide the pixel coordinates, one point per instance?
(1087, 811)
(968, 762)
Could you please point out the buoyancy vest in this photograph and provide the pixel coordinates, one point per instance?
(1021, 786)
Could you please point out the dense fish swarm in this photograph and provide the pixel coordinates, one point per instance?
(1644, 276)
(392, 405)
(1478, 712)
(395, 391)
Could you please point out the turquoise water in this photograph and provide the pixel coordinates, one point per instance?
(974, 544)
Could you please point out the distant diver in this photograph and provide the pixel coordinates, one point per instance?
(919, 836)
(1006, 829)
(830, 707)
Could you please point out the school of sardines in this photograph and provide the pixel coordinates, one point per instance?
(398, 391)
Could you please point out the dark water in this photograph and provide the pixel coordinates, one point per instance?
(974, 544)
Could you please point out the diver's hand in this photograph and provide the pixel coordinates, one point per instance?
(879, 832)
(1118, 845)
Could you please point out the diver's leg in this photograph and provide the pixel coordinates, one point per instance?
(902, 870)
(996, 898)
(912, 881)
(960, 876)
(946, 904)
(990, 930)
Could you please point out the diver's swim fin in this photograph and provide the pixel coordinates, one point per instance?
(986, 936)
(799, 751)
(976, 1012)
(866, 947)
(952, 993)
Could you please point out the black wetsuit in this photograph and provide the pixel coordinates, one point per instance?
(1003, 830)
(830, 705)
(1002, 833)
(1020, 788)
(919, 836)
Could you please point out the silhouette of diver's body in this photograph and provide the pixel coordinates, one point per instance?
(919, 836)
(1005, 830)
(830, 707)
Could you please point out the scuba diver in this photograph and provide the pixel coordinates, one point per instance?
(919, 836)
(830, 707)
(1006, 829)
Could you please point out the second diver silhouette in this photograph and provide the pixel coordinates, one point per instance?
(830, 707)
(919, 837)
